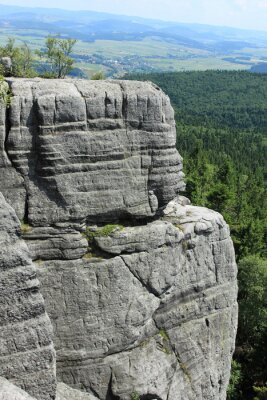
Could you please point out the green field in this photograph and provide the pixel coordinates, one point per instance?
(152, 54)
(145, 48)
(91, 69)
(200, 64)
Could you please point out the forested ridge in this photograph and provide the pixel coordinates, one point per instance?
(221, 122)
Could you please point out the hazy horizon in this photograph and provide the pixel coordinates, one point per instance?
(242, 14)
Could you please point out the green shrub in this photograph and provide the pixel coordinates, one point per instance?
(100, 232)
(25, 228)
(135, 396)
(21, 58)
(163, 333)
(235, 379)
(261, 392)
(98, 76)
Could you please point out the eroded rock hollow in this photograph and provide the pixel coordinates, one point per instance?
(139, 285)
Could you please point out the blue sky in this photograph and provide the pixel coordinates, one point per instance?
(248, 14)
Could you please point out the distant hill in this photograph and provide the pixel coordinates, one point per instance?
(147, 45)
(91, 23)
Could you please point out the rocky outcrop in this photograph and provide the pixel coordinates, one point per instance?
(140, 286)
(157, 318)
(27, 356)
(94, 151)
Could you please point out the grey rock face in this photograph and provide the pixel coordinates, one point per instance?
(145, 309)
(11, 182)
(6, 62)
(27, 355)
(49, 243)
(8, 391)
(91, 150)
(158, 318)
(65, 392)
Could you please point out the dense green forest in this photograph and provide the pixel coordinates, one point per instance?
(222, 134)
(234, 99)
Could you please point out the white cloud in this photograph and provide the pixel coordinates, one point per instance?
(262, 4)
(242, 4)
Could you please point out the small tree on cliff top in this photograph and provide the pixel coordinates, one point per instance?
(57, 53)
(21, 58)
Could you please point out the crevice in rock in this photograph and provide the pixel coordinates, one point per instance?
(124, 106)
(7, 131)
(146, 286)
(150, 396)
(174, 351)
(6, 149)
(94, 393)
(85, 105)
(171, 381)
(193, 293)
(162, 246)
(171, 347)
(110, 395)
(107, 103)
(26, 212)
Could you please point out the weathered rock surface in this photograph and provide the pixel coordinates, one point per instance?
(11, 182)
(65, 392)
(145, 309)
(158, 318)
(50, 243)
(90, 150)
(6, 64)
(27, 356)
(8, 391)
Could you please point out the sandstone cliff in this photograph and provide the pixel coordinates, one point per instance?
(27, 356)
(139, 285)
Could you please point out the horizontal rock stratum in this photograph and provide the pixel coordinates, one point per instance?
(139, 285)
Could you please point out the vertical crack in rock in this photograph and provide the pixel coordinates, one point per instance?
(148, 287)
(124, 107)
(85, 107)
(172, 380)
(110, 395)
(7, 129)
(94, 393)
(12, 182)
